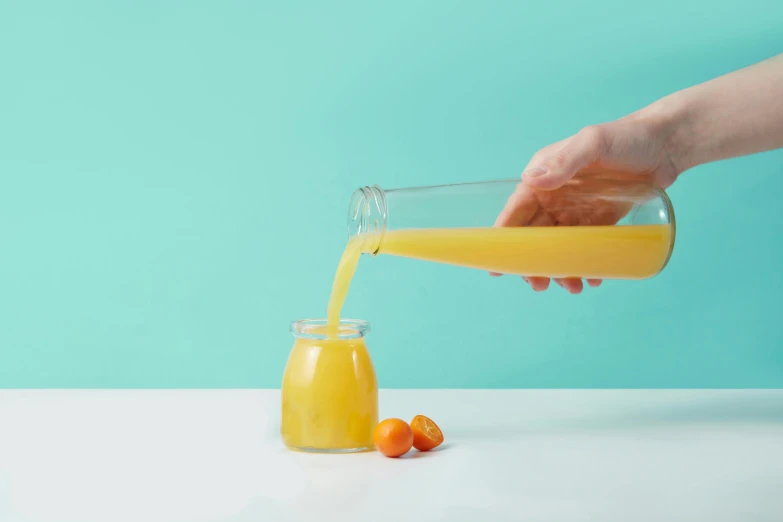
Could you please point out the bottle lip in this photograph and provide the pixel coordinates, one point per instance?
(367, 216)
(318, 329)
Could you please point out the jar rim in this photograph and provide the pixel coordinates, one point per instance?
(317, 329)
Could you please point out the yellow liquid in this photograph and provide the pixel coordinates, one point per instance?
(601, 252)
(342, 279)
(330, 396)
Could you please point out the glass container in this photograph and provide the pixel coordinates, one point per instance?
(603, 225)
(329, 390)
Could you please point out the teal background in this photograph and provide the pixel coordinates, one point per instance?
(174, 181)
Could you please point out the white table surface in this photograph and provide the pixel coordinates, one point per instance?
(147, 456)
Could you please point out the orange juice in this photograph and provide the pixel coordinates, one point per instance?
(342, 279)
(601, 252)
(330, 394)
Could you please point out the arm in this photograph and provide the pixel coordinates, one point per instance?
(734, 115)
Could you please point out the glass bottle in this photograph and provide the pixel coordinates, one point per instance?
(603, 225)
(329, 390)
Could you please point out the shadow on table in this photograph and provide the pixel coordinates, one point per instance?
(413, 454)
(733, 410)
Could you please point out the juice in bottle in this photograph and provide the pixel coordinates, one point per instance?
(603, 225)
(602, 252)
(329, 390)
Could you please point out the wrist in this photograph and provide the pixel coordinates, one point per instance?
(669, 122)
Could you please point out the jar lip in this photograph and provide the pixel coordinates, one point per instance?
(317, 329)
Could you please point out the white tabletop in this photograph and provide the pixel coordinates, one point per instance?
(148, 456)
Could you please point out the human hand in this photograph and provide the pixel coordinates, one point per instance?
(601, 161)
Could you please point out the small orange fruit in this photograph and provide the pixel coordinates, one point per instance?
(426, 434)
(393, 437)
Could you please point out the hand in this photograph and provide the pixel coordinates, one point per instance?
(600, 160)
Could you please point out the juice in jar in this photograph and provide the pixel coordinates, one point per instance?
(329, 391)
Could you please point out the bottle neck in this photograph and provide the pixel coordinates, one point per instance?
(367, 217)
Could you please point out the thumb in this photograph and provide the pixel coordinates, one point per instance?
(551, 169)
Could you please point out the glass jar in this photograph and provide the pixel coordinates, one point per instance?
(329, 391)
(601, 224)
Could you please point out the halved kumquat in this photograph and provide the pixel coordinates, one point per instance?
(426, 434)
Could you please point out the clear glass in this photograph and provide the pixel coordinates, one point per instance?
(600, 225)
(329, 391)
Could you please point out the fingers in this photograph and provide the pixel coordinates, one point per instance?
(519, 210)
(538, 284)
(571, 284)
(542, 219)
(552, 167)
(575, 286)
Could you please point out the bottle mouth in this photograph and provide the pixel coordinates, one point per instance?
(367, 216)
(319, 329)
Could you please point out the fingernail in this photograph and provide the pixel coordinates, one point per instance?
(535, 172)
